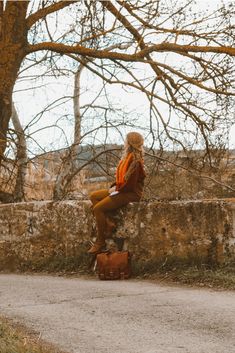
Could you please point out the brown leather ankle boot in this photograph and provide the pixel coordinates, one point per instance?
(96, 248)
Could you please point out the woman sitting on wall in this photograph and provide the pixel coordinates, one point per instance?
(128, 187)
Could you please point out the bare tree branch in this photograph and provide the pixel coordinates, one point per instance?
(41, 13)
(194, 171)
(137, 57)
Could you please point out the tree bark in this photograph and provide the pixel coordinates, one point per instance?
(13, 43)
(21, 157)
(68, 165)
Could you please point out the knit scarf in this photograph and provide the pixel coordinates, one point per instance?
(122, 168)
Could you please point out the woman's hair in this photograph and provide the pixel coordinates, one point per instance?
(137, 153)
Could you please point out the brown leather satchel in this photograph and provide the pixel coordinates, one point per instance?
(114, 265)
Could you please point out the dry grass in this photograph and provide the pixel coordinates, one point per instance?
(220, 277)
(17, 339)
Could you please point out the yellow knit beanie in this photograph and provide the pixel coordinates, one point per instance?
(135, 140)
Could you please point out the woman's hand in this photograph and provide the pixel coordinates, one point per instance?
(112, 189)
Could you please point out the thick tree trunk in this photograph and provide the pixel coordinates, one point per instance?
(8, 76)
(13, 42)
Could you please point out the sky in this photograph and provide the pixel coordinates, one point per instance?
(55, 128)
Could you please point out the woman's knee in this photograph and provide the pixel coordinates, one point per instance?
(98, 195)
(92, 196)
(102, 207)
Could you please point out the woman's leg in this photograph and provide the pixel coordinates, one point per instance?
(98, 195)
(109, 203)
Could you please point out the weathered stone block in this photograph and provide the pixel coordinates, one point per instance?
(35, 234)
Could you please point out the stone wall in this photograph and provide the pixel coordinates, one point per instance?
(193, 232)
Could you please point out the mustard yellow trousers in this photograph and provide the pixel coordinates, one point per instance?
(103, 203)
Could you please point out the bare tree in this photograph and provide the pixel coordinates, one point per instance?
(189, 55)
(68, 164)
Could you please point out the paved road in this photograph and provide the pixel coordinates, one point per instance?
(91, 316)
